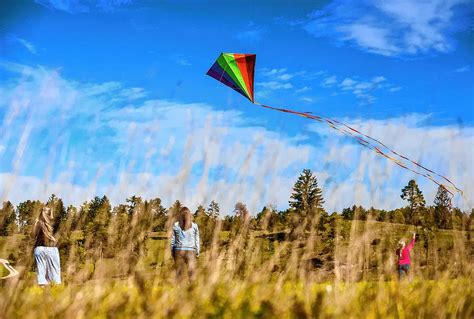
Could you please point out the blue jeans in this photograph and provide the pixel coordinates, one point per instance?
(403, 270)
(47, 263)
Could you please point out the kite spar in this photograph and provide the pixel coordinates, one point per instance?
(237, 72)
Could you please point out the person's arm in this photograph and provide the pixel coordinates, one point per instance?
(173, 240)
(197, 241)
(35, 232)
(412, 243)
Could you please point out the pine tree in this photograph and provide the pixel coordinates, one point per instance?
(97, 223)
(213, 210)
(158, 214)
(241, 211)
(268, 218)
(27, 213)
(415, 198)
(7, 219)
(442, 203)
(173, 211)
(59, 211)
(136, 205)
(307, 196)
(200, 212)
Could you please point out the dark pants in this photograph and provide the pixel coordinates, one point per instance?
(185, 261)
(403, 270)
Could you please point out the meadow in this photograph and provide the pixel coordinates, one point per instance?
(249, 273)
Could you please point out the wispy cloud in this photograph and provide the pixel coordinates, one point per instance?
(280, 74)
(26, 44)
(303, 89)
(279, 79)
(250, 33)
(181, 60)
(307, 99)
(375, 177)
(463, 69)
(330, 81)
(102, 142)
(274, 85)
(391, 28)
(395, 89)
(79, 6)
(361, 89)
(105, 140)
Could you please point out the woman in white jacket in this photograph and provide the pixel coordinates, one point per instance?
(46, 253)
(185, 244)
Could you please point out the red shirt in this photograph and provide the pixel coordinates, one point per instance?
(404, 259)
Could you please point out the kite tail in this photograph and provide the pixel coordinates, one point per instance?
(401, 156)
(364, 140)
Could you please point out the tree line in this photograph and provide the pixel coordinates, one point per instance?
(306, 200)
(107, 230)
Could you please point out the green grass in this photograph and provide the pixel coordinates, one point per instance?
(253, 277)
(159, 298)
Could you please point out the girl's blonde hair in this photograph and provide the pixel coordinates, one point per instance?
(401, 244)
(185, 218)
(44, 224)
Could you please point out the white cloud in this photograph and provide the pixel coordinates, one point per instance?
(463, 69)
(303, 89)
(150, 148)
(363, 90)
(280, 74)
(274, 85)
(392, 28)
(181, 60)
(70, 142)
(277, 79)
(251, 33)
(330, 81)
(69, 6)
(78, 6)
(374, 39)
(347, 83)
(372, 180)
(26, 44)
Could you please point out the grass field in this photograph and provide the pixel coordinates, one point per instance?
(254, 276)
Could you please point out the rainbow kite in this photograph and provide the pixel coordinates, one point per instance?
(237, 72)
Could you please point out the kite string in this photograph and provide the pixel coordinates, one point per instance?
(349, 131)
(400, 155)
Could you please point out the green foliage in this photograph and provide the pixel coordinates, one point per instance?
(158, 214)
(306, 198)
(97, 220)
(213, 210)
(442, 213)
(255, 270)
(208, 223)
(269, 219)
(416, 201)
(28, 211)
(59, 211)
(397, 216)
(7, 219)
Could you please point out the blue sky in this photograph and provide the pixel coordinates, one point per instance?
(111, 97)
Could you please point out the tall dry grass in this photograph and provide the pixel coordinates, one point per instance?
(247, 273)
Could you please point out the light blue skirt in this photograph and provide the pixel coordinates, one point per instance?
(48, 265)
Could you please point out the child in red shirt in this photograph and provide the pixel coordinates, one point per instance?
(404, 260)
